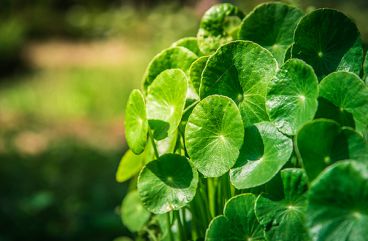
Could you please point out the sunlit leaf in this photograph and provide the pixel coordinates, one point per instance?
(292, 97)
(167, 184)
(265, 151)
(241, 70)
(190, 43)
(214, 135)
(219, 25)
(130, 164)
(136, 125)
(165, 102)
(171, 58)
(195, 72)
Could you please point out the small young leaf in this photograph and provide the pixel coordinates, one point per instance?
(133, 214)
(171, 58)
(238, 222)
(338, 203)
(136, 125)
(272, 26)
(165, 102)
(322, 142)
(214, 135)
(285, 219)
(167, 184)
(347, 92)
(218, 26)
(328, 41)
(190, 43)
(130, 164)
(292, 97)
(195, 72)
(265, 151)
(241, 70)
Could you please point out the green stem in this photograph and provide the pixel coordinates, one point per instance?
(190, 106)
(180, 226)
(185, 224)
(171, 237)
(153, 143)
(211, 196)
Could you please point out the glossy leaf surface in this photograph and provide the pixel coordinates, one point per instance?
(214, 134)
(195, 72)
(338, 203)
(167, 184)
(265, 151)
(165, 102)
(292, 97)
(328, 41)
(190, 43)
(272, 26)
(241, 70)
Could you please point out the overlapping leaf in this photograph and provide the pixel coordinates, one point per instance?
(265, 151)
(292, 97)
(167, 184)
(136, 125)
(214, 135)
(272, 26)
(218, 26)
(238, 222)
(328, 41)
(165, 102)
(348, 93)
(190, 43)
(323, 142)
(338, 203)
(285, 219)
(195, 72)
(171, 58)
(241, 70)
(130, 164)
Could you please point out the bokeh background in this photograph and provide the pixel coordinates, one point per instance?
(66, 69)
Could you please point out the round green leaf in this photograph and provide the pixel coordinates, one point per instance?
(338, 203)
(136, 125)
(329, 41)
(130, 164)
(165, 102)
(214, 135)
(322, 142)
(195, 72)
(218, 26)
(167, 184)
(292, 97)
(272, 26)
(264, 152)
(347, 92)
(285, 219)
(241, 70)
(238, 222)
(133, 214)
(171, 58)
(190, 43)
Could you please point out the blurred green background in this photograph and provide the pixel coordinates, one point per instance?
(66, 69)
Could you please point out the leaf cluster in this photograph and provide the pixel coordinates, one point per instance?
(256, 129)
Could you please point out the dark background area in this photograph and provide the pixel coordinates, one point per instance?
(66, 69)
